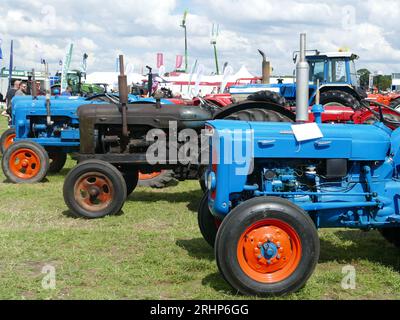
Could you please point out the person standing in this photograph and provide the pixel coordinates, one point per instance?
(67, 92)
(23, 88)
(10, 94)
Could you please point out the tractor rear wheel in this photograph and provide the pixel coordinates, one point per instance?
(268, 96)
(94, 189)
(208, 224)
(57, 161)
(159, 180)
(7, 139)
(25, 162)
(339, 98)
(392, 235)
(258, 115)
(267, 246)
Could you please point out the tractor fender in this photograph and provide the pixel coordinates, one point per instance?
(246, 105)
(356, 93)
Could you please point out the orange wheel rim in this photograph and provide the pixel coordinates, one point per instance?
(9, 141)
(93, 191)
(269, 251)
(24, 164)
(148, 176)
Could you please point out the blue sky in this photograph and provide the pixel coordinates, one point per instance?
(141, 28)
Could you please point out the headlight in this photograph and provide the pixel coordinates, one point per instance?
(211, 181)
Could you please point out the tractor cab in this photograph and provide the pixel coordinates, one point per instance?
(333, 68)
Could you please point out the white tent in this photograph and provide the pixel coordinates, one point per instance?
(111, 78)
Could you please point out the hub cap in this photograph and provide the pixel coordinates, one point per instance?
(269, 251)
(24, 164)
(94, 191)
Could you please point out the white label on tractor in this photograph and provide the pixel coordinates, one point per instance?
(307, 131)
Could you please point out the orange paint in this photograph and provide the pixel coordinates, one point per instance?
(283, 264)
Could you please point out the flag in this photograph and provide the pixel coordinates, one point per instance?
(160, 60)
(179, 62)
(65, 68)
(1, 52)
(11, 64)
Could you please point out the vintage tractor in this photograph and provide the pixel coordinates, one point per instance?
(75, 79)
(115, 142)
(335, 71)
(272, 185)
(44, 130)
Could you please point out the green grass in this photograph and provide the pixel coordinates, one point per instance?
(154, 250)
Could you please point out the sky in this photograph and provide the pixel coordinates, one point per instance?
(140, 29)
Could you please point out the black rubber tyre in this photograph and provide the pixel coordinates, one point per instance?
(202, 180)
(131, 179)
(4, 139)
(392, 235)
(163, 180)
(57, 161)
(338, 97)
(258, 115)
(88, 183)
(251, 213)
(35, 158)
(208, 224)
(395, 104)
(268, 96)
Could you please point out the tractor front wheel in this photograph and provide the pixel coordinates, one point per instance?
(7, 139)
(208, 224)
(94, 189)
(25, 162)
(267, 246)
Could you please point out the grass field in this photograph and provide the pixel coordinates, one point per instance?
(154, 250)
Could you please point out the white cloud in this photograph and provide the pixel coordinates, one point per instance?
(142, 28)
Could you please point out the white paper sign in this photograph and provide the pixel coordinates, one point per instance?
(307, 131)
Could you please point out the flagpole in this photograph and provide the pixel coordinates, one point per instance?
(11, 64)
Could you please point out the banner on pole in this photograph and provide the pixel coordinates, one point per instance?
(179, 62)
(65, 67)
(160, 60)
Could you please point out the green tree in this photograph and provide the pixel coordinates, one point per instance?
(364, 77)
(383, 82)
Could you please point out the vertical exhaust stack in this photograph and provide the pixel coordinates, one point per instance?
(302, 85)
(33, 84)
(266, 69)
(48, 95)
(123, 95)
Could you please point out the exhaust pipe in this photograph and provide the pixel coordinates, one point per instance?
(123, 96)
(266, 69)
(48, 96)
(302, 85)
(33, 84)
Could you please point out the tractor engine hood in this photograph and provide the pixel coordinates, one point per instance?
(277, 140)
(193, 117)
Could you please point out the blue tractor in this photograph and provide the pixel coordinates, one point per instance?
(43, 131)
(272, 185)
(335, 71)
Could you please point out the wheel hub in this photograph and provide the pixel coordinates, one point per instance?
(94, 191)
